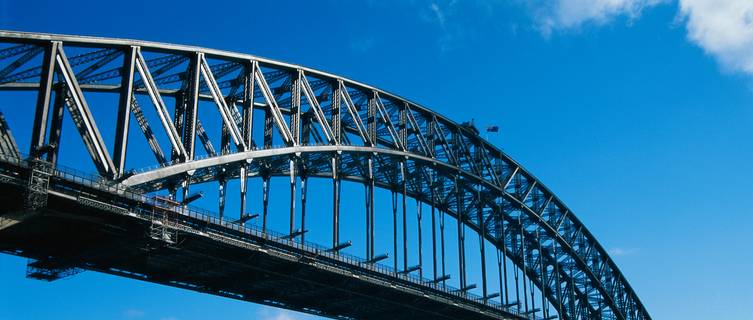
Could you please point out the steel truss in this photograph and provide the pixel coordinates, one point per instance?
(316, 125)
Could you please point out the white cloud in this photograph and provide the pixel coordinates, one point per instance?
(723, 28)
(572, 14)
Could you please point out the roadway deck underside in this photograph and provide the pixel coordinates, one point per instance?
(197, 256)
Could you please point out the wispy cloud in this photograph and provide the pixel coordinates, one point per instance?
(438, 14)
(276, 314)
(568, 15)
(619, 252)
(133, 313)
(362, 44)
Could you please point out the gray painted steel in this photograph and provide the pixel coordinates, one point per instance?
(329, 127)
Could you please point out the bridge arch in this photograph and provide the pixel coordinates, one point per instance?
(315, 124)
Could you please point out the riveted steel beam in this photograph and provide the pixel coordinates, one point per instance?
(83, 118)
(159, 104)
(586, 282)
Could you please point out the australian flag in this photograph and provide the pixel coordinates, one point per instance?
(492, 129)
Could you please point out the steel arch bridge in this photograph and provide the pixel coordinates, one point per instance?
(283, 120)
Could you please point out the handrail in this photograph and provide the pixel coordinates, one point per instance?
(280, 239)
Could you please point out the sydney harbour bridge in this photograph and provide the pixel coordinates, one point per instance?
(156, 122)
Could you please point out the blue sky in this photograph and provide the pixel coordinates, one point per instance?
(637, 113)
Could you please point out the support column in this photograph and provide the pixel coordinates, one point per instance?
(572, 294)
(179, 121)
(335, 113)
(557, 277)
(533, 300)
(265, 202)
(502, 289)
(523, 258)
(369, 193)
(303, 208)
(243, 189)
(441, 241)
(335, 204)
(544, 279)
(420, 241)
(371, 133)
(404, 179)
(56, 125)
(248, 105)
(124, 109)
(480, 213)
(248, 129)
(433, 233)
(292, 195)
(461, 234)
(295, 107)
(368, 220)
(39, 129)
(514, 239)
(268, 126)
(504, 261)
(372, 181)
(221, 195)
(394, 228)
(192, 105)
(185, 186)
(190, 115)
(224, 150)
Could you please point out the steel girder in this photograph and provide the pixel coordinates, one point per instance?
(329, 127)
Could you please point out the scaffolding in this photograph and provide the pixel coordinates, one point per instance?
(47, 270)
(160, 229)
(36, 189)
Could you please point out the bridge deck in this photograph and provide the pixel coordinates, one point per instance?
(86, 226)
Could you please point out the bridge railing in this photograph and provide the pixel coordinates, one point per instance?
(281, 239)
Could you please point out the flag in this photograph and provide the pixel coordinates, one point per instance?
(492, 129)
